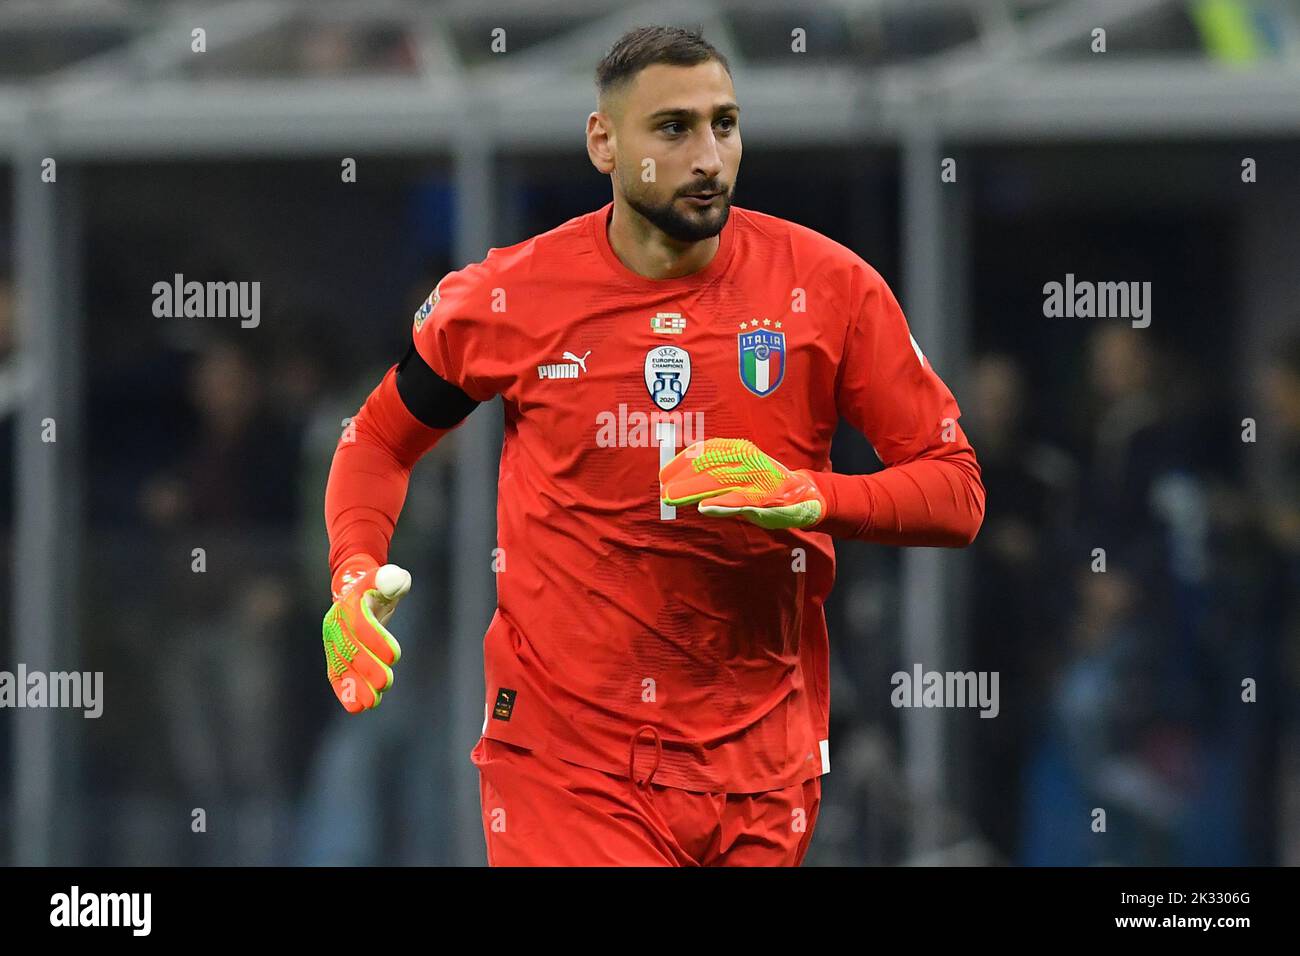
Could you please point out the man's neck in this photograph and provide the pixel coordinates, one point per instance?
(647, 251)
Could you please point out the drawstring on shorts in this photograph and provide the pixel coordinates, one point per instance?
(631, 761)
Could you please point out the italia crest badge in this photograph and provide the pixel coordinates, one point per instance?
(762, 360)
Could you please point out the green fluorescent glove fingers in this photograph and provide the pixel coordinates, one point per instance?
(732, 477)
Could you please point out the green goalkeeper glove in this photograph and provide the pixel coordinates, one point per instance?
(730, 477)
(359, 651)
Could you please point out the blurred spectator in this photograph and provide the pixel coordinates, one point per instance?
(1147, 415)
(220, 513)
(1015, 599)
(1105, 745)
(1280, 484)
(1277, 496)
(1146, 721)
(236, 467)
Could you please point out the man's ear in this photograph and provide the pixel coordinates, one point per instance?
(600, 142)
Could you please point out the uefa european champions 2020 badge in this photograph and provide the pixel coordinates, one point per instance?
(667, 375)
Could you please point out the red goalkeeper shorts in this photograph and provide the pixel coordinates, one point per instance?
(539, 810)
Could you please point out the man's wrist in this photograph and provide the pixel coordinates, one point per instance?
(848, 499)
(350, 570)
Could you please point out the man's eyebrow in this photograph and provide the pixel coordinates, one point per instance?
(684, 112)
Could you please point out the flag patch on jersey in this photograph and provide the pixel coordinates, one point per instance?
(668, 323)
(762, 360)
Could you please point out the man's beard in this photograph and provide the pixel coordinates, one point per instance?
(684, 227)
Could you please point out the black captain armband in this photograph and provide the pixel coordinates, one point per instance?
(432, 399)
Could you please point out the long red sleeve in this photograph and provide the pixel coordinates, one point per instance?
(933, 502)
(930, 493)
(370, 473)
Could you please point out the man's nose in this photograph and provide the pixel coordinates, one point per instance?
(708, 162)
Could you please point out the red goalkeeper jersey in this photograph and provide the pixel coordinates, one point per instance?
(615, 611)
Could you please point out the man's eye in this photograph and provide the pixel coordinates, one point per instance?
(731, 123)
(667, 125)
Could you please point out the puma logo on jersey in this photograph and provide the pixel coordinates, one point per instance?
(567, 369)
(573, 358)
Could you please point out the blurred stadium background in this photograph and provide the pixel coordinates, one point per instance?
(1120, 690)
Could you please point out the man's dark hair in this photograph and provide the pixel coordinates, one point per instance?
(644, 46)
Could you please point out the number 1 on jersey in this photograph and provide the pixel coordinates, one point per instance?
(666, 437)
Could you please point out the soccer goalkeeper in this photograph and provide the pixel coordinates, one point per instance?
(672, 369)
